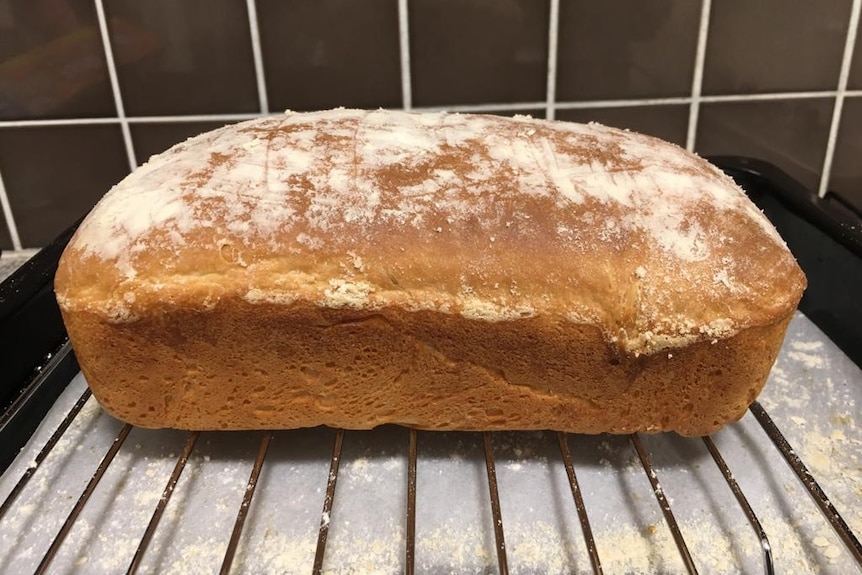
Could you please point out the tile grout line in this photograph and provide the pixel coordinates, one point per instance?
(115, 84)
(26, 253)
(587, 104)
(480, 108)
(553, 50)
(257, 54)
(129, 119)
(843, 77)
(697, 77)
(404, 53)
(768, 96)
(58, 122)
(198, 118)
(9, 217)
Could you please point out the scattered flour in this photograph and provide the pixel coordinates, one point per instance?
(808, 360)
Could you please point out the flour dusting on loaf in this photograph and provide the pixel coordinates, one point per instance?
(564, 247)
(481, 190)
(263, 168)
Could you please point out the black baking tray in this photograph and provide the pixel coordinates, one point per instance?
(827, 242)
(825, 238)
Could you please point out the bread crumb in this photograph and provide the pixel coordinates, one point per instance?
(358, 264)
(342, 293)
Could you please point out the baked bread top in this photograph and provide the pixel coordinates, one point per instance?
(491, 218)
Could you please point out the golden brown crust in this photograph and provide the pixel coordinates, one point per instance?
(506, 273)
(301, 365)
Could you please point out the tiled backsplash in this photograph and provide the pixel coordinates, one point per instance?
(775, 79)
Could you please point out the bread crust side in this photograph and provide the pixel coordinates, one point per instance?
(269, 366)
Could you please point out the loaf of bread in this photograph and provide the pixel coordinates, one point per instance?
(439, 271)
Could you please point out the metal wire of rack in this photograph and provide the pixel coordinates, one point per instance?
(840, 527)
